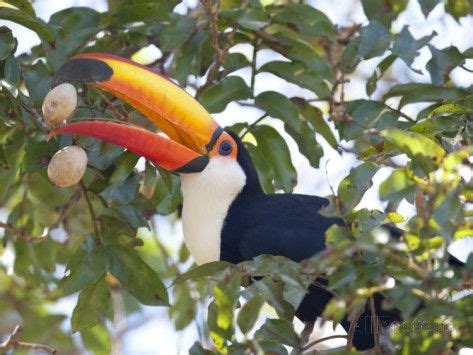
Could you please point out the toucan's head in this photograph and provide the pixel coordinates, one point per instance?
(193, 137)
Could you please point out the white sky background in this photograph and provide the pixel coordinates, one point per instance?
(157, 335)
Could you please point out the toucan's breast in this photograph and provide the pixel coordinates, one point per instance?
(208, 196)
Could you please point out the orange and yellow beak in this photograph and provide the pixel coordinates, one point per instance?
(193, 134)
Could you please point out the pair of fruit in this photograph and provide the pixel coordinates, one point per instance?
(68, 165)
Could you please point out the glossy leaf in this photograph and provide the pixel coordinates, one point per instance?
(7, 42)
(279, 106)
(276, 152)
(86, 266)
(353, 187)
(91, 306)
(137, 277)
(23, 18)
(204, 270)
(443, 62)
(249, 313)
(278, 330)
(375, 40)
(217, 97)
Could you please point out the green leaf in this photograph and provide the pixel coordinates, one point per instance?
(182, 311)
(366, 114)
(204, 270)
(307, 20)
(133, 216)
(307, 144)
(12, 70)
(306, 54)
(198, 349)
(383, 11)
(443, 62)
(264, 169)
(458, 8)
(91, 306)
(279, 106)
(249, 313)
(142, 10)
(425, 151)
(137, 277)
(374, 40)
(178, 32)
(33, 23)
(23, 5)
(428, 5)
(407, 47)
(299, 74)
(397, 186)
(419, 92)
(353, 187)
(252, 18)
(315, 117)
(194, 55)
(276, 153)
(278, 330)
(38, 82)
(86, 266)
(218, 96)
(379, 71)
(96, 339)
(7, 42)
(121, 193)
(395, 217)
(235, 61)
(226, 295)
(165, 201)
(101, 155)
(124, 167)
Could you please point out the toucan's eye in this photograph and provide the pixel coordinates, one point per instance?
(225, 148)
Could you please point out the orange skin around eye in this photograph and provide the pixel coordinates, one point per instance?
(224, 137)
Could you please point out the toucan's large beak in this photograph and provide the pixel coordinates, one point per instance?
(192, 131)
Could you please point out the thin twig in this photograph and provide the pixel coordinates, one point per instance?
(375, 324)
(12, 343)
(353, 324)
(315, 342)
(253, 67)
(37, 118)
(253, 125)
(64, 210)
(111, 106)
(220, 53)
(23, 235)
(92, 213)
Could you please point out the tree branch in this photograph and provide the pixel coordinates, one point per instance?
(12, 343)
(315, 342)
(375, 324)
(353, 324)
(220, 53)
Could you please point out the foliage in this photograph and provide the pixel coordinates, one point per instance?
(97, 231)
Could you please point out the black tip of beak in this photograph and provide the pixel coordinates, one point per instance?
(84, 70)
(194, 166)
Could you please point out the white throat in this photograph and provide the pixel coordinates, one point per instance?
(207, 198)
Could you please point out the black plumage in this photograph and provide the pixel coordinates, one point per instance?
(288, 225)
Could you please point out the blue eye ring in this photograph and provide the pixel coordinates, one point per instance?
(225, 148)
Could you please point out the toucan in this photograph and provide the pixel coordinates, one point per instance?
(226, 214)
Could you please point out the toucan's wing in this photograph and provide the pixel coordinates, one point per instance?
(286, 225)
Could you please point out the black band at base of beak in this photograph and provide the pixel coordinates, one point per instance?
(194, 166)
(84, 70)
